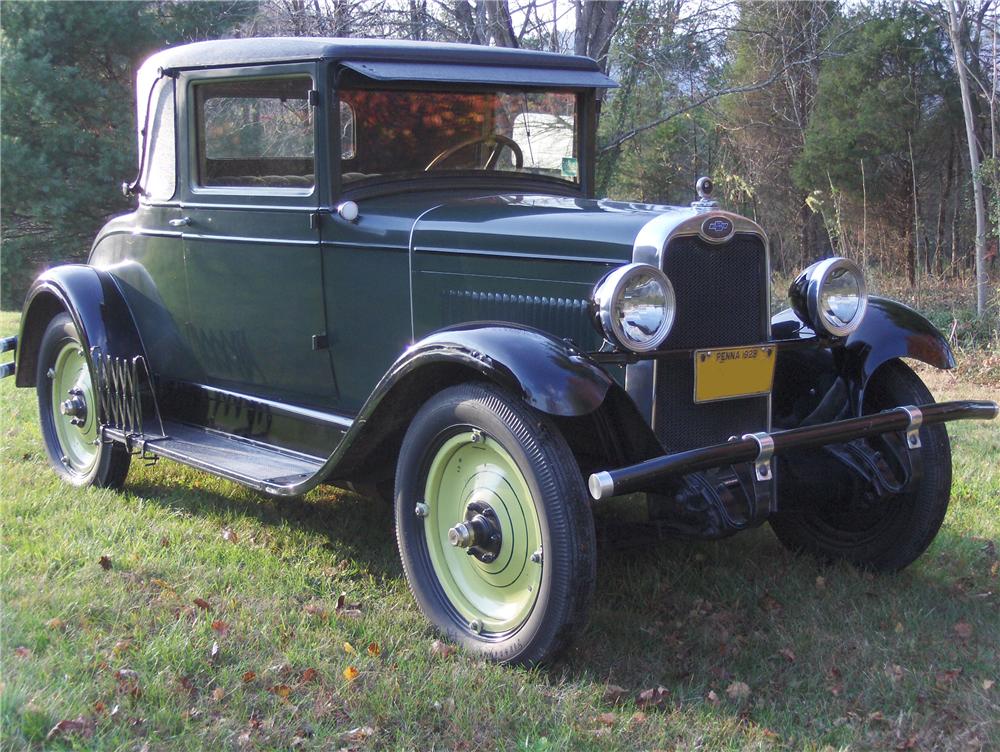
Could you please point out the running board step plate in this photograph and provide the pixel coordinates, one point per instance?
(242, 460)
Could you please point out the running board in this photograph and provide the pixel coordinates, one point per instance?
(248, 462)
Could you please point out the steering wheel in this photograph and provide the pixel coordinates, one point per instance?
(491, 162)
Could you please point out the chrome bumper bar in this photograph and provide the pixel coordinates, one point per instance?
(758, 448)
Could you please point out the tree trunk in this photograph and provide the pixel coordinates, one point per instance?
(946, 179)
(955, 34)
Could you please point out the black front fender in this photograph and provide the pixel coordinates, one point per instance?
(92, 300)
(890, 330)
(549, 374)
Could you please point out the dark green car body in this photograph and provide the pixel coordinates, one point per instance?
(296, 317)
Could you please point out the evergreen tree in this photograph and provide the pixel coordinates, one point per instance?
(68, 118)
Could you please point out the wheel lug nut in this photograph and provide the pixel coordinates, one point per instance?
(476, 626)
(422, 510)
(461, 536)
(536, 557)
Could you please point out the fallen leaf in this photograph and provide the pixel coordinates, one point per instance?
(963, 630)
(309, 674)
(99, 707)
(356, 735)
(105, 562)
(121, 646)
(314, 610)
(55, 623)
(613, 694)
(899, 627)
(228, 534)
(79, 726)
(946, 677)
(218, 693)
(995, 569)
(186, 684)
(22, 652)
(607, 719)
(348, 648)
(712, 697)
(165, 542)
(638, 717)
(221, 627)
(738, 690)
(249, 676)
(163, 585)
(788, 654)
(894, 672)
(820, 583)
(128, 682)
(347, 609)
(282, 690)
(202, 603)
(653, 698)
(213, 654)
(769, 603)
(877, 716)
(374, 649)
(441, 649)
(351, 673)
(988, 684)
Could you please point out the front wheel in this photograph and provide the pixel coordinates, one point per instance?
(68, 411)
(494, 530)
(891, 533)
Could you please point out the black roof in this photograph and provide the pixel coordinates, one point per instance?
(261, 50)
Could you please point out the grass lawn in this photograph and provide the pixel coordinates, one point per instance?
(214, 624)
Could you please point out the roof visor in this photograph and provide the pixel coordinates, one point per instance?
(481, 74)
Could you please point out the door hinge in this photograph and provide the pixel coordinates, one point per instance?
(313, 98)
(320, 341)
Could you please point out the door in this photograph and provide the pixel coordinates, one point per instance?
(252, 257)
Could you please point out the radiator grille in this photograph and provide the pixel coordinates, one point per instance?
(721, 302)
(563, 317)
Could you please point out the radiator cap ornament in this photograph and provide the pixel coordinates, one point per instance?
(705, 203)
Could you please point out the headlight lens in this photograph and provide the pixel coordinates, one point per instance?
(830, 296)
(635, 307)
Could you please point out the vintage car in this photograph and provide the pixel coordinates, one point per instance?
(382, 265)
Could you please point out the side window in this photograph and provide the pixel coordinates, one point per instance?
(347, 141)
(161, 160)
(256, 133)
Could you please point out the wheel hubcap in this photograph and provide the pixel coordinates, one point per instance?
(483, 561)
(75, 425)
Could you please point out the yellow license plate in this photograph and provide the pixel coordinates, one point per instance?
(730, 372)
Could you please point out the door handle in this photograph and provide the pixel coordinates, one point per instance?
(180, 222)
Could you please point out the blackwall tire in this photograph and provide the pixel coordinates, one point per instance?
(904, 528)
(474, 449)
(74, 450)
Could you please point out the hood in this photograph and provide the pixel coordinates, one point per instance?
(552, 227)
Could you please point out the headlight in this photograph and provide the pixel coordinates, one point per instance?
(635, 306)
(830, 296)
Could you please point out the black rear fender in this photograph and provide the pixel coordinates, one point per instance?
(92, 300)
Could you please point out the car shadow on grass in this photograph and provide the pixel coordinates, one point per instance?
(738, 628)
(352, 526)
(742, 627)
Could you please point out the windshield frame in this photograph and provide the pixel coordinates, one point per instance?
(586, 100)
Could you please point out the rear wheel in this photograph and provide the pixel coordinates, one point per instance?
(888, 534)
(68, 411)
(494, 530)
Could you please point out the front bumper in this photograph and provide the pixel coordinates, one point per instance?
(759, 448)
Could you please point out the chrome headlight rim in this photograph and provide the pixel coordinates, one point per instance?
(807, 296)
(607, 293)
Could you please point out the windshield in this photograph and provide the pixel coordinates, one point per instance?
(390, 133)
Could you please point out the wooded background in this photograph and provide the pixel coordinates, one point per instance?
(841, 127)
